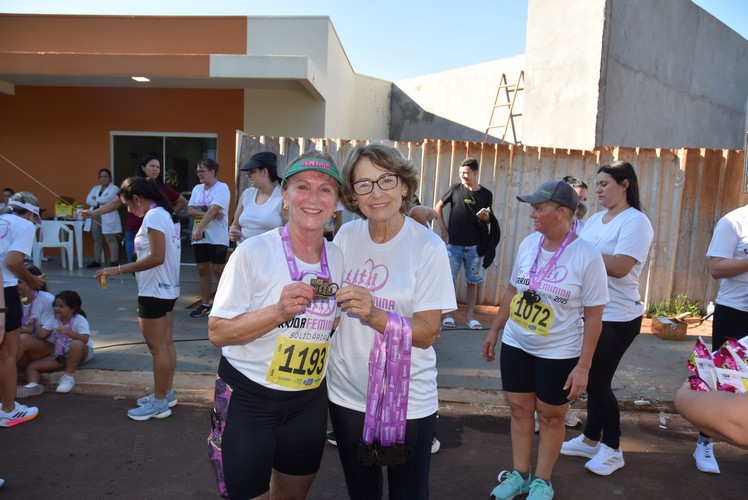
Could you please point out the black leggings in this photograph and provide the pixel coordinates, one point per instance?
(409, 481)
(603, 414)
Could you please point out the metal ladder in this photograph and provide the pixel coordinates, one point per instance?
(510, 95)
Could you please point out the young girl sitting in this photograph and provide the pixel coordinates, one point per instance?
(73, 345)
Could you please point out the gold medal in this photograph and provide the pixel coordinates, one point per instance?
(323, 289)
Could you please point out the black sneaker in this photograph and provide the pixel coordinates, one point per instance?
(330, 436)
(93, 265)
(202, 310)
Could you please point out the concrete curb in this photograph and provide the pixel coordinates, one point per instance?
(198, 387)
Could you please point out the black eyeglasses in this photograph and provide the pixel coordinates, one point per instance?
(385, 183)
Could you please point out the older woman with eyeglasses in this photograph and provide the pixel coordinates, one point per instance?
(396, 285)
(272, 317)
(209, 206)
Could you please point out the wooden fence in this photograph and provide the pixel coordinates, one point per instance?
(683, 192)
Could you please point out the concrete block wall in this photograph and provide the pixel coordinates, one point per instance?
(634, 73)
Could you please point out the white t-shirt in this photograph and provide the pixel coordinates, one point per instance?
(80, 325)
(408, 274)
(161, 281)
(730, 241)
(577, 280)
(16, 234)
(254, 278)
(629, 233)
(217, 231)
(257, 219)
(40, 307)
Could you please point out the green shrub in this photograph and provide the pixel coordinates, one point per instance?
(679, 305)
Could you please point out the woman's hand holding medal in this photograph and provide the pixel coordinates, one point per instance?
(294, 298)
(357, 301)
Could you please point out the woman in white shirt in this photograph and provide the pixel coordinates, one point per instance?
(551, 314)
(106, 226)
(623, 234)
(259, 208)
(397, 284)
(157, 245)
(16, 241)
(272, 317)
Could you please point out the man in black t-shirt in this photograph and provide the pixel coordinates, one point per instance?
(471, 206)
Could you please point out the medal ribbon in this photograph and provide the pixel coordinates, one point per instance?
(293, 269)
(389, 381)
(537, 277)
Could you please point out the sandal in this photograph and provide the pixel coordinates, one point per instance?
(474, 324)
(448, 322)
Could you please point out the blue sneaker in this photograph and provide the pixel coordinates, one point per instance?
(171, 399)
(511, 485)
(158, 408)
(540, 490)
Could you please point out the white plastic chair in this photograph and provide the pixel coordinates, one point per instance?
(55, 234)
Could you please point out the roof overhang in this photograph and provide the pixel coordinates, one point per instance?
(202, 71)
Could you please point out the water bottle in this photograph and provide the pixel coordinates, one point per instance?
(710, 311)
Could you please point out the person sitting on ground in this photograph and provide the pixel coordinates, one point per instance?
(73, 345)
(38, 309)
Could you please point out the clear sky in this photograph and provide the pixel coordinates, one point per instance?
(388, 39)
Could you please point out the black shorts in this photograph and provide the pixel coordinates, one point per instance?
(15, 312)
(153, 307)
(522, 372)
(206, 252)
(266, 429)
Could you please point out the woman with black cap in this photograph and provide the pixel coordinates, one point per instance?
(259, 208)
(272, 317)
(547, 346)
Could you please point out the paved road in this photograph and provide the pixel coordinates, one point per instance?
(84, 447)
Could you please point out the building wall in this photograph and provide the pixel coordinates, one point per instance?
(60, 135)
(686, 80)
(563, 53)
(350, 105)
(454, 104)
(633, 73)
(122, 34)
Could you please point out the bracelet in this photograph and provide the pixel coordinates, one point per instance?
(120, 269)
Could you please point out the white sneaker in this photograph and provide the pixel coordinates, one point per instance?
(67, 382)
(578, 448)
(435, 445)
(606, 461)
(704, 455)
